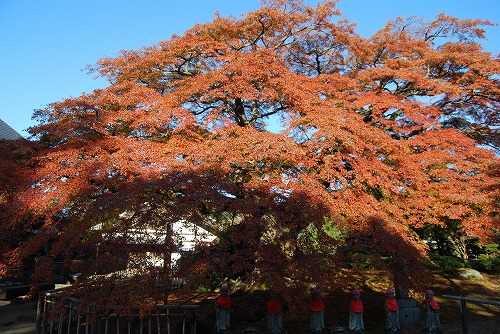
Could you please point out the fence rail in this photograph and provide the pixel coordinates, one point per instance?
(114, 319)
(463, 307)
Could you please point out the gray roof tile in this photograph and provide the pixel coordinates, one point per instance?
(8, 133)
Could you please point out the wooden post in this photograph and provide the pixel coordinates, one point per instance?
(168, 321)
(193, 322)
(44, 316)
(463, 311)
(158, 320)
(184, 323)
(39, 312)
(117, 321)
(70, 316)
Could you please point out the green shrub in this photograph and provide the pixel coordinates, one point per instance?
(489, 260)
(447, 264)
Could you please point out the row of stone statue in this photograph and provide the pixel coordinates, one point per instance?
(317, 308)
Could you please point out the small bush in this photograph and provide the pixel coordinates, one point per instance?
(447, 264)
(489, 260)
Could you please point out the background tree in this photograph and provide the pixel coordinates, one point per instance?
(14, 178)
(284, 132)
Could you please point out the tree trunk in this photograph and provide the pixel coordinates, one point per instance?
(401, 279)
(167, 259)
(239, 112)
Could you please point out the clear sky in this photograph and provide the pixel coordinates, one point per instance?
(45, 45)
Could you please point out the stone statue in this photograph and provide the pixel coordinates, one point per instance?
(356, 313)
(317, 312)
(431, 313)
(274, 315)
(223, 310)
(391, 313)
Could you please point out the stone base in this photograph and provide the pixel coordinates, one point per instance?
(409, 313)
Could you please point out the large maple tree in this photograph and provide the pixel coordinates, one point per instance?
(305, 147)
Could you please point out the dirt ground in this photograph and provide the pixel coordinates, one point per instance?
(19, 316)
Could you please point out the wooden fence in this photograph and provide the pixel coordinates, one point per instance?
(463, 307)
(114, 319)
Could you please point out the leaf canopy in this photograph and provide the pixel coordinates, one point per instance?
(298, 142)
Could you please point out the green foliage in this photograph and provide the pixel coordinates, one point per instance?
(332, 230)
(489, 260)
(447, 264)
(320, 241)
(308, 239)
(203, 289)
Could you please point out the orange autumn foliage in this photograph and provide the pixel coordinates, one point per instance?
(269, 130)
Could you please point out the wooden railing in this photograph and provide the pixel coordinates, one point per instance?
(463, 307)
(114, 319)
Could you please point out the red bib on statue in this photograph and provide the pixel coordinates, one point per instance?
(273, 306)
(392, 304)
(316, 305)
(433, 304)
(224, 302)
(356, 306)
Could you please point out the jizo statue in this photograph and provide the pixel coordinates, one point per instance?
(223, 310)
(431, 313)
(356, 313)
(391, 312)
(274, 310)
(317, 312)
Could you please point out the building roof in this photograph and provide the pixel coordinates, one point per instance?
(8, 133)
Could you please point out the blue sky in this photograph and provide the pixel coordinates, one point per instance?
(45, 45)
